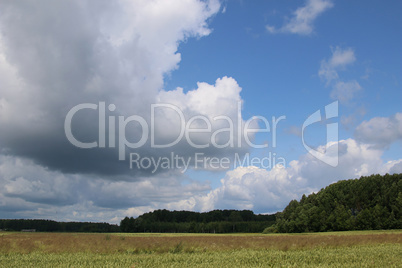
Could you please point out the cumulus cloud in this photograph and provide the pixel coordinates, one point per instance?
(380, 132)
(344, 91)
(303, 18)
(54, 56)
(202, 102)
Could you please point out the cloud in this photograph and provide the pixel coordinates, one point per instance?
(303, 18)
(271, 29)
(271, 190)
(395, 166)
(339, 60)
(251, 188)
(380, 132)
(54, 56)
(351, 121)
(344, 91)
(32, 191)
(294, 130)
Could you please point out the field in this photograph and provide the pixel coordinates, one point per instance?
(340, 249)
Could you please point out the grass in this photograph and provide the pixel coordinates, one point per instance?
(340, 249)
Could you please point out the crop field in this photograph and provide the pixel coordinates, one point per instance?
(340, 249)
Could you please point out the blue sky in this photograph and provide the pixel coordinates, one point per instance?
(279, 72)
(277, 58)
(270, 67)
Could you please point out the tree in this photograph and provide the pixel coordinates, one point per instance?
(373, 202)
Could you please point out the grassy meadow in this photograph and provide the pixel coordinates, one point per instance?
(337, 249)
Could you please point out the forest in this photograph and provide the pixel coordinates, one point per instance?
(216, 221)
(54, 226)
(369, 203)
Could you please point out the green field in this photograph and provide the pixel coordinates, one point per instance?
(340, 249)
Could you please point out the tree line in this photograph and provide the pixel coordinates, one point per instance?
(216, 221)
(54, 226)
(369, 203)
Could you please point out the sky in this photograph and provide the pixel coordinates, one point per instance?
(116, 108)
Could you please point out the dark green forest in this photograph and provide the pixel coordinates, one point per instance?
(368, 203)
(216, 221)
(54, 226)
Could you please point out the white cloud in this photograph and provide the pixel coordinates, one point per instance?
(380, 131)
(393, 166)
(203, 100)
(270, 29)
(344, 91)
(340, 59)
(251, 188)
(303, 18)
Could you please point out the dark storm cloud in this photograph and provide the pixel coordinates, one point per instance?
(59, 54)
